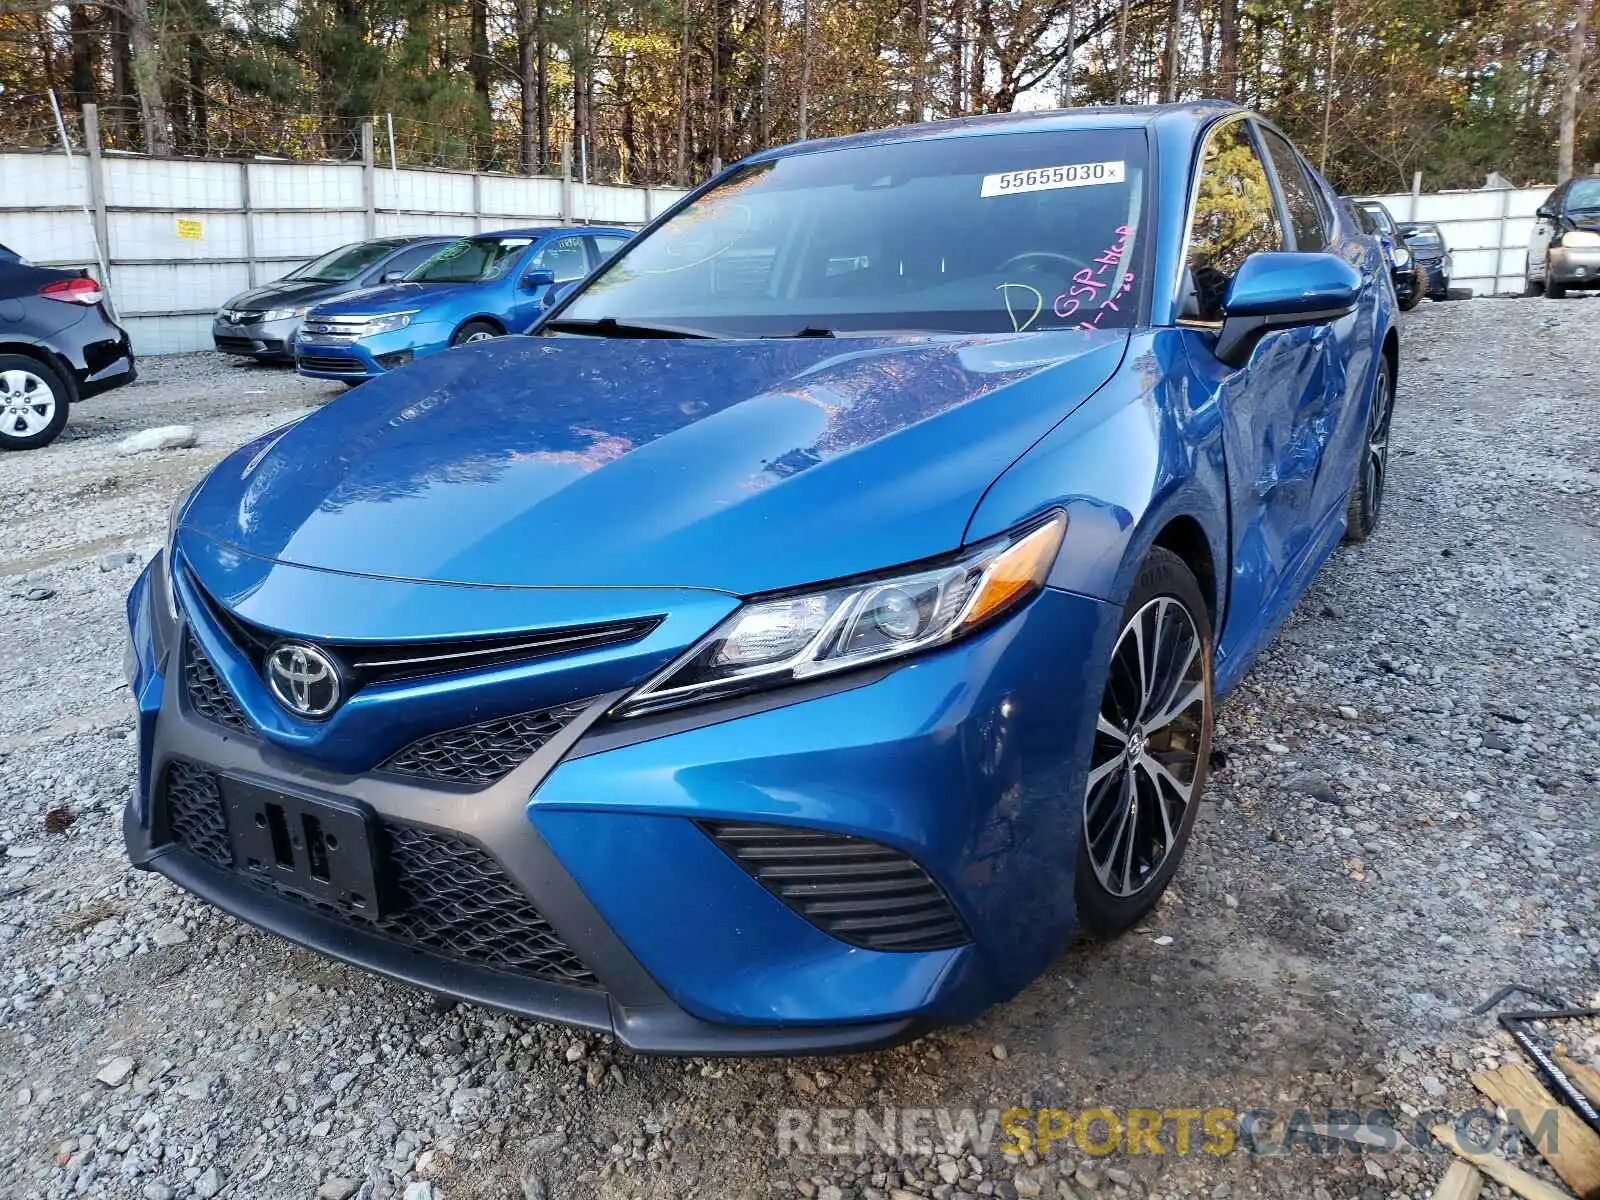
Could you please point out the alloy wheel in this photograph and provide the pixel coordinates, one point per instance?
(1375, 469)
(27, 404)
(1146, 761)
(478, 335)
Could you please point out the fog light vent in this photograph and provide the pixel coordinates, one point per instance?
(861, 892)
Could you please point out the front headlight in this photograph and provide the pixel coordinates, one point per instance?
(385, 323)
(801, 636)
(1400, 255)
(1582, 238)
(283, 314)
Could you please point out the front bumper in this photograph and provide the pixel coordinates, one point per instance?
(270, 341)
(339, 358)
(963, 761)
(1574, 266)
(1405, 281)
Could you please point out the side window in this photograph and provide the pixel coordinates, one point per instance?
(563, 257)
(607, 244)
(1234, 217)
(411, 257)
(1304, 215)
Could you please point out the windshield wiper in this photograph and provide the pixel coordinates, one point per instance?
(611, 327)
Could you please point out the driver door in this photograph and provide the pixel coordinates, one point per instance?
(563, 256)
(1269, 402)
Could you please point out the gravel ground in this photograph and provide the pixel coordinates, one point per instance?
(1406, 819)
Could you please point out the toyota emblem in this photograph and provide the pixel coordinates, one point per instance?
(303, 679)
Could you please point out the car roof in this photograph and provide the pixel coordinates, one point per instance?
(1195, 115)
(543, 230)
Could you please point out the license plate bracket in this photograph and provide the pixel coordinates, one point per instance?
(321, 848)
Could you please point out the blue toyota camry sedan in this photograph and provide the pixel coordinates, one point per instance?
(471, 290)
(816, 622)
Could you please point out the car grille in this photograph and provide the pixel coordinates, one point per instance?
(389, 662)
(478, 755)
(327, 362)
(208, 695)
(446, 897)
(861, 892)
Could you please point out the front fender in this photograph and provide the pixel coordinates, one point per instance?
(1144, 450)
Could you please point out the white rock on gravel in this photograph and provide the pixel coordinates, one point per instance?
(115, 1073)
(167, 437)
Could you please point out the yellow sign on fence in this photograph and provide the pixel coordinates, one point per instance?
(190, 230)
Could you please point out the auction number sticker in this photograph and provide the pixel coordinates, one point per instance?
(1045, 179)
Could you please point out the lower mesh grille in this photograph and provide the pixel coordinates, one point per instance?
(446, 896)
(208, 695)
(859, 891)
(194, 813)
(326, 362)
(478, 755)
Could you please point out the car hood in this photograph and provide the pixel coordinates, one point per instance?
(740, 466)
(392, 297)
(282, 293)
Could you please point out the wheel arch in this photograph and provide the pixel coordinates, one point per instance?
(485, 318)
(1391, 354)
(1186, 537)
(43, 353)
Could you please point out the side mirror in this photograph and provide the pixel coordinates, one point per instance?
(1281, 290)
(391, 277)
(538, 278)
(1545, 213)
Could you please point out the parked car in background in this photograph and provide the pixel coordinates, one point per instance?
(471, 290)
(58, 345)
(1564, 250)
(1375, 220)
(818, 618)
(1431, 254)
(262, 322)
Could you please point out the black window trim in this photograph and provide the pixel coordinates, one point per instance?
(1180, 293)
(1285, 215)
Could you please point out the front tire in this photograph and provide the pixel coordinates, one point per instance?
(474, 331)
(1412, 300)
(1152, 744)
(1372, 472)
(33, 402)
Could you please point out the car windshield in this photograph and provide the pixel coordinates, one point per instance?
(974, 234)
(343, 264)
(1583, 195)
(471, 260)
(1425, 238)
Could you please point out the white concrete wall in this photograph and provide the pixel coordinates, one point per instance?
(1487, 232)
(256, 221)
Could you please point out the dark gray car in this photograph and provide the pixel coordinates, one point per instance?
(262, 322)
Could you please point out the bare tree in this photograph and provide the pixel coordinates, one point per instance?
(144, 53)
(1169, 67)
(527, 89)
(1572, 83)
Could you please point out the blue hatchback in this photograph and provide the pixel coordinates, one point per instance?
(816, 621)
(472, 290)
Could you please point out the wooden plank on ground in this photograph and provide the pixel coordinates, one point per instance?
(1529, 1187)
(1574, 1154)
(1586, 1079)
(1461, 1182)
